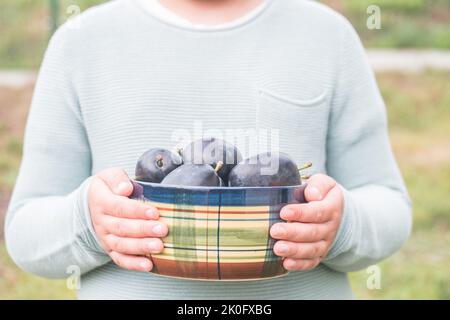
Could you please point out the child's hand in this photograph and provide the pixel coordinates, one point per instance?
(127, 229)
(311, 227)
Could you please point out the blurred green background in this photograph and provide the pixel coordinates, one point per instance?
(419, 116)
(406, 23)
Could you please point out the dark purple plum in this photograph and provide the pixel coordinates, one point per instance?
(199, 175)
(138, 191)
(155, 164)
(265, 170)
(212, 151)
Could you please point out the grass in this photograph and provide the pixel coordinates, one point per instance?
(15, 284)
(404, 23)
(25, 25)
(419, 112)
(418, 271)
(11, 131)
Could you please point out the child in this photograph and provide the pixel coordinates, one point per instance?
(134, 71)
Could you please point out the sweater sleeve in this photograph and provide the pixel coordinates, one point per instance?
(377, 211)
(48, 226)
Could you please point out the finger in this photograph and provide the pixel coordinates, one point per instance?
(134, 246)
(117, 180)
(335, 201)
(122, 207)
(318, 187)
(119, 206)
(313, 212)
(134, 228)
(131, 262)
(316, 211)
(300, 264)
(300, 250)
(300, 232)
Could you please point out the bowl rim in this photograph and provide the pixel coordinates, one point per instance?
(201, 188)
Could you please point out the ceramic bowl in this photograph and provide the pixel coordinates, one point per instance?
(218, 233)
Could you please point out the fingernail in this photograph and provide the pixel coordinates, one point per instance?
(145, 264)
(152, 213)
(278, 231)
(153, 246)
(122, 187)
(287, 213)
(315, 193)
(282, 248)
(289, 263)
(159, 230)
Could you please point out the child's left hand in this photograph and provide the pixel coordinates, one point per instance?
(311, 227)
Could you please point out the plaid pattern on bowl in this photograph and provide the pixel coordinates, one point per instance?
(219, 233)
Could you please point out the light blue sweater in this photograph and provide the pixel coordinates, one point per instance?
(119, 81)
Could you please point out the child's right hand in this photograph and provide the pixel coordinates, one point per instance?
(127, 229)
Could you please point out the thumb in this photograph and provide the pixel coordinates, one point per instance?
(318, 187)
(117, 180)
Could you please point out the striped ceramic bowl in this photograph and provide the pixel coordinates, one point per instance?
(218, 233)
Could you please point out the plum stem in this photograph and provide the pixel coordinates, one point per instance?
(159, 161)
(218, 166)
(180, 151)
(306, 177)
(305, 166)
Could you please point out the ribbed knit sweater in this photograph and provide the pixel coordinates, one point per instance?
(117, 81)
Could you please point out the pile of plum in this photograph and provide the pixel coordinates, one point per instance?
(211, 162)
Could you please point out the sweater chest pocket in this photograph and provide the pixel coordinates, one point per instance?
(300, 125)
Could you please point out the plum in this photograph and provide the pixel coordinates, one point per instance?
(138, 191)
(202, 175)
(265, 170)
(155, 164)
(212, 151)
